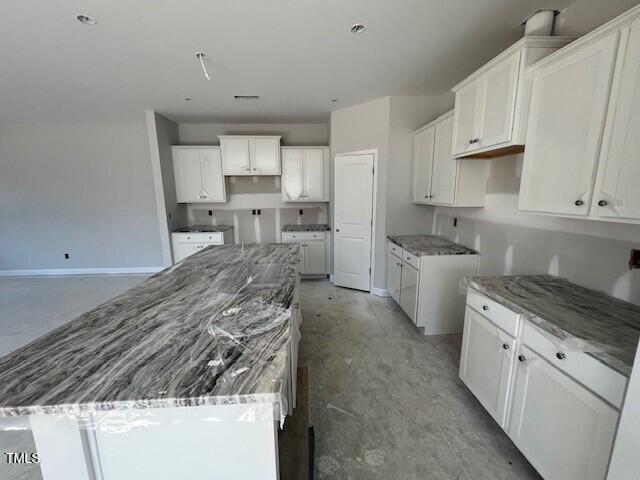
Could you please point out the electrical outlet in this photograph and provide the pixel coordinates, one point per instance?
(301, 212)
(253, 212)
(66, 256)
(211, 213)
(634, 258)
(259, 212)
(455, 222)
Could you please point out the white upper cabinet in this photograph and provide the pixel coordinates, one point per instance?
(440, 179)
(250, 154)
(422, 164)
(582, 141)
(567, 113)
(490, 104)
(198, 174)
(617, 192)
(305, 174)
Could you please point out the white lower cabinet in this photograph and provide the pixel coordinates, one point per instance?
(409, 290)
(313, 251)
(563, 429)
(486, 363)
(186, 244)
(394, 274)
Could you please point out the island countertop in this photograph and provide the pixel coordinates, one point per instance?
(422, 245)
(212, 329)
(598, 324)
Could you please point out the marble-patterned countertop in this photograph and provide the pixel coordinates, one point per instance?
(204, 229)
(586, 320)
(214, 328)
(421, 245)
(312, 227)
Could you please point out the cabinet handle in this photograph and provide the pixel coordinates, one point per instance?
(398, 264)
(248, 169)
(603, 203)
(506, 346)
(521, 357)
(561, 356)
(579, 203)
(485, 308)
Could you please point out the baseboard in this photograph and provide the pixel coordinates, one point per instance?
(331, 278)
(80, 271)
(380, 292)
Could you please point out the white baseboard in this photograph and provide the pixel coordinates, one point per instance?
(380, 292)
(331, 278)
(80, 271)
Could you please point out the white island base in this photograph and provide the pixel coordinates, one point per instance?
(222, 442)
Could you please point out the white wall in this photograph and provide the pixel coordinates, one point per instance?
(83, 189)
(293, 134)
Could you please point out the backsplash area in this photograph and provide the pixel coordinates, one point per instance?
(505, 249)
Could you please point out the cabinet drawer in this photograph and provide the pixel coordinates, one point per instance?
(583, 368)
(394, 249)
(411, 259)
(498, 314)
(293, 237)
(216, 238)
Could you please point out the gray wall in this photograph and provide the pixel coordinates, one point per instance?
(85, 189)
(293, 134)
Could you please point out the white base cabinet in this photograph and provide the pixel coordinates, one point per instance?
(313, 251)
(427, 288)
(185, 244)
(561, 409)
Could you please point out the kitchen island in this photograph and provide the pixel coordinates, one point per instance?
(187, 375)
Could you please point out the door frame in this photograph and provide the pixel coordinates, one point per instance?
(380, 292)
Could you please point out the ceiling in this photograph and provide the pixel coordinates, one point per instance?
(296, 54)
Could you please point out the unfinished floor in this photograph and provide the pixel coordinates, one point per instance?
(386, 402)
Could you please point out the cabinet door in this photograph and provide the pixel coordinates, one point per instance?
(465, 121)
(394, 272)
(422, 165)
(265, 156)
(617, 194)
(186, 249)
(498, 102)
(314, 257)
(443, 179)
(212, 178)
(566, 119)
(486, 363)
(235, 156)
(563, 429)
(291, 175)
(313, 178)
(409, 290)
(187, 174)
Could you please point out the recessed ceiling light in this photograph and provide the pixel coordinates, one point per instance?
(86, 19)
(357, 28)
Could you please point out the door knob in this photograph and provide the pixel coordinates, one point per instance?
(579, 203)
(603, 203)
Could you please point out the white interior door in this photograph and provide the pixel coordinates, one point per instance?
(353, 214)
(422, 165)
(443, 179)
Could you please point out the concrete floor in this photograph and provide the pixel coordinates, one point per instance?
(386, 402)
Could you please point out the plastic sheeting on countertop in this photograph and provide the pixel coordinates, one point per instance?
(214, 329)
(573, 317)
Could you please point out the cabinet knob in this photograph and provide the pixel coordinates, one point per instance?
(561, 356)
(337, 229)
(579, 203)
(248, 169)
(506, 346)
(254, 169)
(521, 357)
(485, 307)
(603, 203)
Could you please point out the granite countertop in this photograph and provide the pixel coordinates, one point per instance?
(177, 339)
(204, 229)
(312, 227)
(583, 319)
(421, 245)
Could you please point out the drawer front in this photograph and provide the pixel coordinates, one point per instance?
(293, 237)
(394, 249)
(216, 238)
(498, 314)
(411, 259)
(590, 372)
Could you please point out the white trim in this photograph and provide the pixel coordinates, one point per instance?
(331, 278)
(380, 292)
(81, 271)
(374, 152)
(156, 170)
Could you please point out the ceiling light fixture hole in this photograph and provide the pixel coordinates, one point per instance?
(87, 20)
(357, 28)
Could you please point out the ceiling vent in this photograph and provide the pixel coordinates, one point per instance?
(247, 97)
